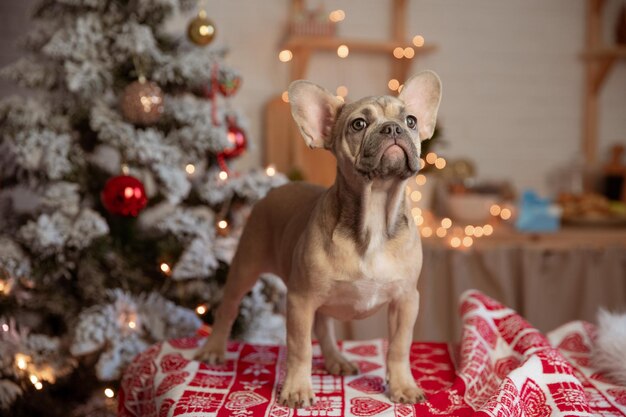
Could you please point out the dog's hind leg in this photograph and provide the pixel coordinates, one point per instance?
(250, 261)
(334, 361)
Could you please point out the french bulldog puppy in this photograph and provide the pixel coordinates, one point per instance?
(345, 251)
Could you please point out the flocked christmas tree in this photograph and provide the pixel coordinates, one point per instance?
(118, 210)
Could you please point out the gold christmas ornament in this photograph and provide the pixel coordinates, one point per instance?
(201, 29)
(142, 102)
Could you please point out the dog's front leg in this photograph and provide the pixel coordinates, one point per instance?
(402, 316)
(297, 390)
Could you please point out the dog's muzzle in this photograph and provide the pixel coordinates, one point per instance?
(388, 152)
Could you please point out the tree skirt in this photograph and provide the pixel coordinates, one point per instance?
(504, 368)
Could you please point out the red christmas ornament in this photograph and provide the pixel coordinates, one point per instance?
(228, 83)
(124, 196)
(238, 142)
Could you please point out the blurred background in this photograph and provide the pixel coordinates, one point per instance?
(513, 73)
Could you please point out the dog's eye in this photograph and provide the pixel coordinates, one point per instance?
(411, 122)
(359, 124)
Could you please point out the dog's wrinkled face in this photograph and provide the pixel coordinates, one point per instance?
(379, 137)
(375, 137)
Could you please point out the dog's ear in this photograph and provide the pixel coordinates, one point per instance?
(421, 95)
(314, 109)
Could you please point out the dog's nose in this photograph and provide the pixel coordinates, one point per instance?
(391, 129)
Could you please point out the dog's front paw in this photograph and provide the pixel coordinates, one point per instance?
(406, 393)
(339, 365)
(296, 393)
(212, 352)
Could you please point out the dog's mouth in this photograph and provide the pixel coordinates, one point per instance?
(394, 151)
(396, 157)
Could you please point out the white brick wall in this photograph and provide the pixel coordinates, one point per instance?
(511, 72)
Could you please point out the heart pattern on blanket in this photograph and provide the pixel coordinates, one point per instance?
(173, 362)
(364, 350)
(534, 399)
(241, 400)
(574, 343)
(368, 384)
(170, 382)
(186, 343)
(365, 406)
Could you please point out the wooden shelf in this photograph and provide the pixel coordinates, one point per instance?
(598, 60)
(606, 52)
(355, 45)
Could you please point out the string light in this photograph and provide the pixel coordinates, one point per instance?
(456, 236)
(5, 327)
(393, 84)
(505, 214)
(440, 163)
(342, 91)
(223, 175)
(165, 268)
(418, 41)
(109, 393)
(5, 286)
(38, 385)
(400, 88)
(420, 179)
(422, 163)
(495, 210)
(132, 324)
(285, 55)
(270, 170)
(416, 196)
(337, 16)
(201, 309)
(21, 361)
(340, 99)
(431, 157)
(398, 52)
(222, 224)
(33, 379)
(343, 51)
(190, 169)
(409, 52)
(285, 96)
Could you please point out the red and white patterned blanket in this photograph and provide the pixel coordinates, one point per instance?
(504, 368)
